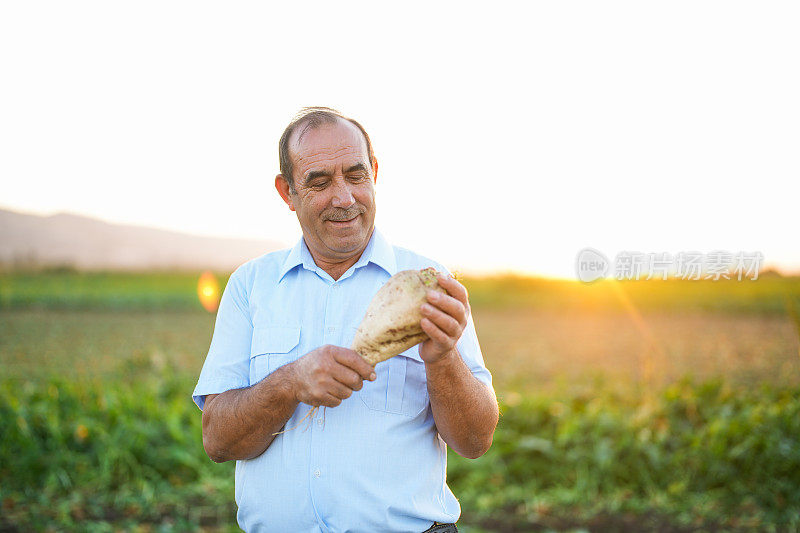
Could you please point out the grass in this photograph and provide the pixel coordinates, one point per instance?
(701, 454)
(766, 295)
(74, 290)
(81, 454)
(67, 289)
(672, 408)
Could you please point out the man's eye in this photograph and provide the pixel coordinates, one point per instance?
(357, 177)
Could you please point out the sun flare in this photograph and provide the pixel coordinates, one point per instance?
(208, 291)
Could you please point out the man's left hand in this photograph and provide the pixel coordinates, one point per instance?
(444, 319)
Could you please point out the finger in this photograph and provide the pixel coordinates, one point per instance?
(330, 401)
(338, 390)
(454, 288)
(351, 359)
(435, 333)
(347, 376)
(449, 305)
(443, 321)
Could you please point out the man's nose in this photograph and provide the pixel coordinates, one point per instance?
(342, 195)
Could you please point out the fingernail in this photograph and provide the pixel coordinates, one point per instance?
(372, 376)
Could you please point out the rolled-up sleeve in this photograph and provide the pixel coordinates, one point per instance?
(227, 364)
(468, 346)
(470, 351)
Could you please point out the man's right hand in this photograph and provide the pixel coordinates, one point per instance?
(328, 375)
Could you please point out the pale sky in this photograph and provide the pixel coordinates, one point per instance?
(509, 136)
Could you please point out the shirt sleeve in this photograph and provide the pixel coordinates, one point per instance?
(470, 351)
(227, 365)
(469, 348)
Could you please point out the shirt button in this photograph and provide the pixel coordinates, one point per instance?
(331, 329)
(335, 286)
(319, 422)
(317, 473)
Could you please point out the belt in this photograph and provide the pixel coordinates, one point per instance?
(441, 528)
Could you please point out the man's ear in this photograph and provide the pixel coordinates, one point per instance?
(374, 169)
(283, 189)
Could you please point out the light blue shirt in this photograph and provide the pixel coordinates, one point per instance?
(375, 462)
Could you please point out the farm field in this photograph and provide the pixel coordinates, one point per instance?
(667, 406)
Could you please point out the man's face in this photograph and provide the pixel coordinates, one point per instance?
(334, 183)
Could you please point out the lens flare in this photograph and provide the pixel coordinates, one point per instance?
(208, 291)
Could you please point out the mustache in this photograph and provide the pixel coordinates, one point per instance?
(346, 214)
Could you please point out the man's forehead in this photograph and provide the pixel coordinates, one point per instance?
(328, 139)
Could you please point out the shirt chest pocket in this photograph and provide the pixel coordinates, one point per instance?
(271, 348)
(401, 386)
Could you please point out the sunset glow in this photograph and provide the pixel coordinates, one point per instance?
(536, 133)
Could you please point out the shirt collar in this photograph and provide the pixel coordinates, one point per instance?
(378, 251)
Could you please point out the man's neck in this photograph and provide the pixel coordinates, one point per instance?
(337, 268)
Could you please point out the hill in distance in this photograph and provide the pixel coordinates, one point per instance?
(84, 243)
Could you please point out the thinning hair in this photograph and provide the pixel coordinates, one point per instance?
(310, 118)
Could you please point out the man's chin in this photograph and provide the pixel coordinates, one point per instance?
(351, 241)
(345, 246)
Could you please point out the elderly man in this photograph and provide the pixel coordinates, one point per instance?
(375, 458)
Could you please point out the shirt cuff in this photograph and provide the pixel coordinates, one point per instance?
(214, 387)
(484, 377)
